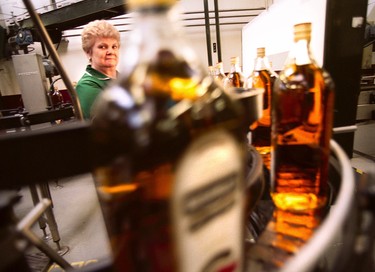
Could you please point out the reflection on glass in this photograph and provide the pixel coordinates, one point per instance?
(293, 229)
(283, 238)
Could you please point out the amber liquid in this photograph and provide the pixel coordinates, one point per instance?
(234, 79)
(302, 124)
(57, 99)
(261, 129)
(137, 217)
(293, 229)
(135, 191)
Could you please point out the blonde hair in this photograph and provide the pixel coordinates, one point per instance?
(97, 29)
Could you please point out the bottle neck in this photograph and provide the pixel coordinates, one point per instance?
(261, 63)
(155, 22)
(211, 71)
(219, 70)
(300, 53)
(235, 67)
(156, 30)
(158, 53)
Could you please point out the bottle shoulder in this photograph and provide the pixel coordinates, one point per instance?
(258, 79)
(311, 69)
(304, 77)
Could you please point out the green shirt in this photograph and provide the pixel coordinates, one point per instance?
(89, 87)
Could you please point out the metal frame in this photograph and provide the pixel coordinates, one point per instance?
(55, 57)
(343, 49)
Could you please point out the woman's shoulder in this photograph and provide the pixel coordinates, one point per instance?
(89, 79)
(89, 83)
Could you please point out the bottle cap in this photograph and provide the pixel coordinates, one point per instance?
(261, 52)
(135, 4)
(302, 31)
(234, 60)
(219, 65)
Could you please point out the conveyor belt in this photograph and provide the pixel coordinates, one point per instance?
(301, 241)
(285, 234)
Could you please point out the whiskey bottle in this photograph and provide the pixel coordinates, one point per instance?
(211, 71)
(219, 73)
(56, 97)
(273, 75)
(235, 78)
(260, 130)
(302, 113)
(174, 200)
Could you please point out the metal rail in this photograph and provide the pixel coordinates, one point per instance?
(208, 32)
(24, 228)
(311, 252)
(299, 241)
(217, 25)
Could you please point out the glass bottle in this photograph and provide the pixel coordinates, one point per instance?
(293, 229)
(174, 200)
(260, 131)
(211, 71)
(235, 78)
(302, 113)
(219, 73)
(273, 75)
(57, 99)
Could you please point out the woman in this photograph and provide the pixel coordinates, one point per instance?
(101, 43)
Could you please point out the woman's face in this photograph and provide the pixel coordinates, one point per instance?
(104, 54)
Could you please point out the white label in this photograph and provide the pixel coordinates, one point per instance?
(208, 205)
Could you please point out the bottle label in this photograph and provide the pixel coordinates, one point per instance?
(208, 205)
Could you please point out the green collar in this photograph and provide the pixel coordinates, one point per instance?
(95, 73)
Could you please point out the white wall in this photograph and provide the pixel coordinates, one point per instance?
(371, 11)
(273, 29)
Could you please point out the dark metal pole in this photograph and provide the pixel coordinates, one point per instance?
(217, 24)
(24, 227)
(55, 57)
(53, 3)
(208, 32)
